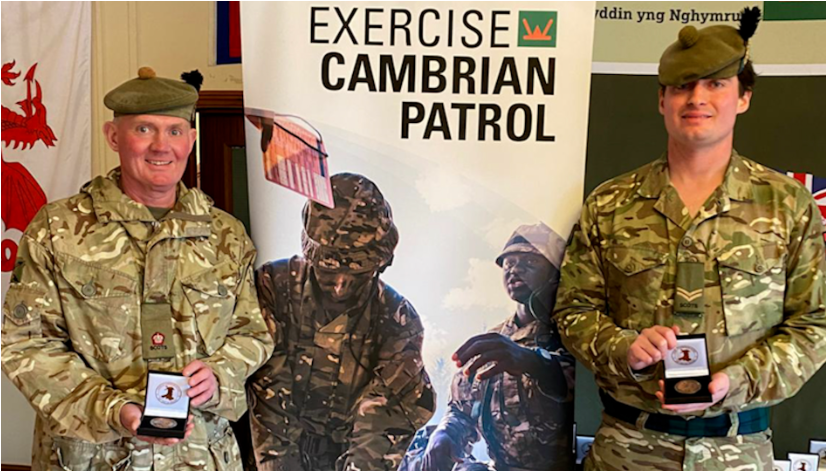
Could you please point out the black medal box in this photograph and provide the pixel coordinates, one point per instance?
(686, 371)
(167, 405)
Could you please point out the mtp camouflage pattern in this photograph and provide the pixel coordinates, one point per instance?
(341, 392)
(760, 237)
(357, 235)
(622, 446)
(72, 325)
(523, 427)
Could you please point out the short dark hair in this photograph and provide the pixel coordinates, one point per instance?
(746, 79)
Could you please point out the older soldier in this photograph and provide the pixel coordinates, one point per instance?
(522, 403)
(346, 388)
(135, 273)
(747, 244)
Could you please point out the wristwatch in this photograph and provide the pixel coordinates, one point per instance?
(545, 355)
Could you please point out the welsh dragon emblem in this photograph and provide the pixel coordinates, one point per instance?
(22, 195)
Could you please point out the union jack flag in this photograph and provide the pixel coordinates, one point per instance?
(815, 185)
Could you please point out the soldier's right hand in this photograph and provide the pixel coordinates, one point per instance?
(440, 453)
(131, 420)
(651, 346)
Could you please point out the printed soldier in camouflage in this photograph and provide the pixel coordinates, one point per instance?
(752, 240)
(522, 403)
(106, 289)
(346, 388)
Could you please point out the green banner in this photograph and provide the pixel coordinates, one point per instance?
(794, 11)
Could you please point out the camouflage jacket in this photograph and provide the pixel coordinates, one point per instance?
(356, 381)
(760, 237)
(523, 427)
(72, 339)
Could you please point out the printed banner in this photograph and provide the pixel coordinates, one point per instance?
(470, 118)
(630, 36)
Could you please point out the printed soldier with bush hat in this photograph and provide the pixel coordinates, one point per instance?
(515, 388)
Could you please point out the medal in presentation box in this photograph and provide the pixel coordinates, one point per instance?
(686, 371)
(167, 405)
(818, 447)
(803, 461)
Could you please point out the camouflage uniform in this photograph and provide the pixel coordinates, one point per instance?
(524, 427)
(760, 237)
(343, 391)
(72, 325)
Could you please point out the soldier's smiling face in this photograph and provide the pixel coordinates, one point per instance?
(523, 273)
(153, 151)
(702, 113)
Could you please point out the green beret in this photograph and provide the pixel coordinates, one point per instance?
(714, 52)
(151, 95)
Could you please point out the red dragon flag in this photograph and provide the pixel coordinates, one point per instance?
(46, 144)
(46, 111)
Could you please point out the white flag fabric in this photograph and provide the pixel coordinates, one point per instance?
(46, 110)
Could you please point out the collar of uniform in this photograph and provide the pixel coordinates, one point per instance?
(111, 204)
(655, 178)
(737, 180)
(736, 183)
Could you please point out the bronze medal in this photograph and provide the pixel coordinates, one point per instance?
(688, 387)
(163, 423)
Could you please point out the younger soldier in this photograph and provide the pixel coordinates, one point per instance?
(522, 404)
(346, 388)
(134, 273)
(703, 240)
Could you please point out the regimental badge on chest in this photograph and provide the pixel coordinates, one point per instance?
(158, 339)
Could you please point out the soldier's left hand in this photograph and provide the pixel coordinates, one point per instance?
(202, 382)
(504, 354)
(718, 387)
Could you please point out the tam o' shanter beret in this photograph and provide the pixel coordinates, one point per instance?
(714, 52)
(151, 95)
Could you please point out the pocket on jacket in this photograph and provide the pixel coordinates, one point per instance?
(634, 283)
(753, 280)
(21, 314)
(72, 454)
(101, 308)
(211, 295)
(225, 452)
